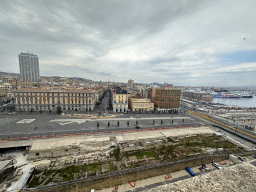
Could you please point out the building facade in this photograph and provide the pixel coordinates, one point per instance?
(120, 103)
(5, 86)
(196, 96)
(141, 104)
(165, 99)
(130, 83)
(47, 99)
(145, 92)
(29, 67)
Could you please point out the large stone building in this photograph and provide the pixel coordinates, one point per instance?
(120, 102)
(29, 67)
(47, 99)
(197, 96)
(165, 99)
(141, 104)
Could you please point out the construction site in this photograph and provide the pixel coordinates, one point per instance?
(107, 160)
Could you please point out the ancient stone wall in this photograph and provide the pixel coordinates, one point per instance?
(135, 175)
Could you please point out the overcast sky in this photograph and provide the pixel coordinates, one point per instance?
(187, 42)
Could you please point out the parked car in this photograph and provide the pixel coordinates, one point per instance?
(137, 127)
(216, 165)
(205, 167)
(190, 171)
(241, 158)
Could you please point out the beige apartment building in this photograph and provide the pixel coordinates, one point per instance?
(47, 99)
(120, 103)
(5, 86)
(141, 104)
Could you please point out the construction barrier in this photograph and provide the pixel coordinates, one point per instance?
(169, 176)
(131, 184)
(223, 162)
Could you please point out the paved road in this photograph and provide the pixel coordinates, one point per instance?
(102, 107)
(13, 126)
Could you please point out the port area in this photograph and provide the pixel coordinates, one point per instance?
(236, 116)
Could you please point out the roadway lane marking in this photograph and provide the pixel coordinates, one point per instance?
(26, 121)
(68, 121)
(222, 124)
(65, 123)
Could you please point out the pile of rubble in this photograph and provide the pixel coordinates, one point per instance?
(241, 177)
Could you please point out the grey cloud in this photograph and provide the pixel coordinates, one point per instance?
(113, 18)
(160, 70)
(162, 60)
(90, 71)
(103, 28)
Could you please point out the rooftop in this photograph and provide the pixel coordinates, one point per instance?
(134, 100)
(54, 90)
(27, 54)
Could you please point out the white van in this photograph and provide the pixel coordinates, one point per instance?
(216, 165)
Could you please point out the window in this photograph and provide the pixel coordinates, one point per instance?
(37, 154)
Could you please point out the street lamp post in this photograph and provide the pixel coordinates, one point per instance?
(236, 127)
(8, 125)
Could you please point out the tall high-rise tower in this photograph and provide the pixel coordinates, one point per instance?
(130, 83)
(29, 67)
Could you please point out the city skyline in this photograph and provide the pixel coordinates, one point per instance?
(183, 43)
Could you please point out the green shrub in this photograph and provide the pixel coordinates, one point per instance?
(150, 154)
(116, 153)
(48, 172)
(48, 181)
(34, 182)
(170, 140)
(95, 167)
(140, 155)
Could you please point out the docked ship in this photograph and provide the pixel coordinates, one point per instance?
(246, 95)
(226, 95)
